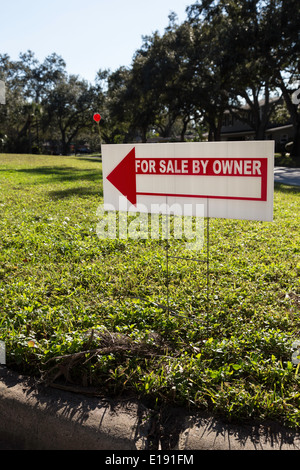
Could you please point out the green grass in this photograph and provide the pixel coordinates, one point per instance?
(76, 310)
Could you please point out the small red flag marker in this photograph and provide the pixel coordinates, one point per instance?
(97, 117)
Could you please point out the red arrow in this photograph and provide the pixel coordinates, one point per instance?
(123, 177)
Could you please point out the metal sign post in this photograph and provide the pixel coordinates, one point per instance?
(97, 119)
(189, 259)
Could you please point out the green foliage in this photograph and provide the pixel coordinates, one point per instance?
(226, 54)
(76, 308)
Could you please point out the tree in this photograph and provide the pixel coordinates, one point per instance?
(142, 94)
(174, 68)
(13, 116)
(27, 83)
(39, 78)
(117, 108)
(211, 76)
(272, 59)
(281, 22)
(259, 45)
(158, 70)
(69, 108)
(251, 80)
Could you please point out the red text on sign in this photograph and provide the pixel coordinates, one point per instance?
(198, 166)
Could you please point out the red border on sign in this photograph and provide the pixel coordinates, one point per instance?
(263, 176)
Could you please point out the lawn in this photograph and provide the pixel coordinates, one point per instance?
(79, 311)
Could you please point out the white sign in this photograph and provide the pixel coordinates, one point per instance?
(233, 180)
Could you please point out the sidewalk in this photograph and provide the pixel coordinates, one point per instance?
(289, 176)
(37, 418)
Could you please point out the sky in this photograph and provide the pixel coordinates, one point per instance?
(88, 34)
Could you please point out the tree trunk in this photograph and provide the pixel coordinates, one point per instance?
(144, 136)
(295, 152)
(183, 131)
(260, 132)
(64, 143)
(219, 127)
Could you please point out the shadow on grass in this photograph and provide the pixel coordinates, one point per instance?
(286, 189)
(80, 191)
(95, 159)
(61, 174)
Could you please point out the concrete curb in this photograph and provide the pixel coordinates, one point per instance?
(34, 417)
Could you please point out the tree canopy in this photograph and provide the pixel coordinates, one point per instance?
(225, 54)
